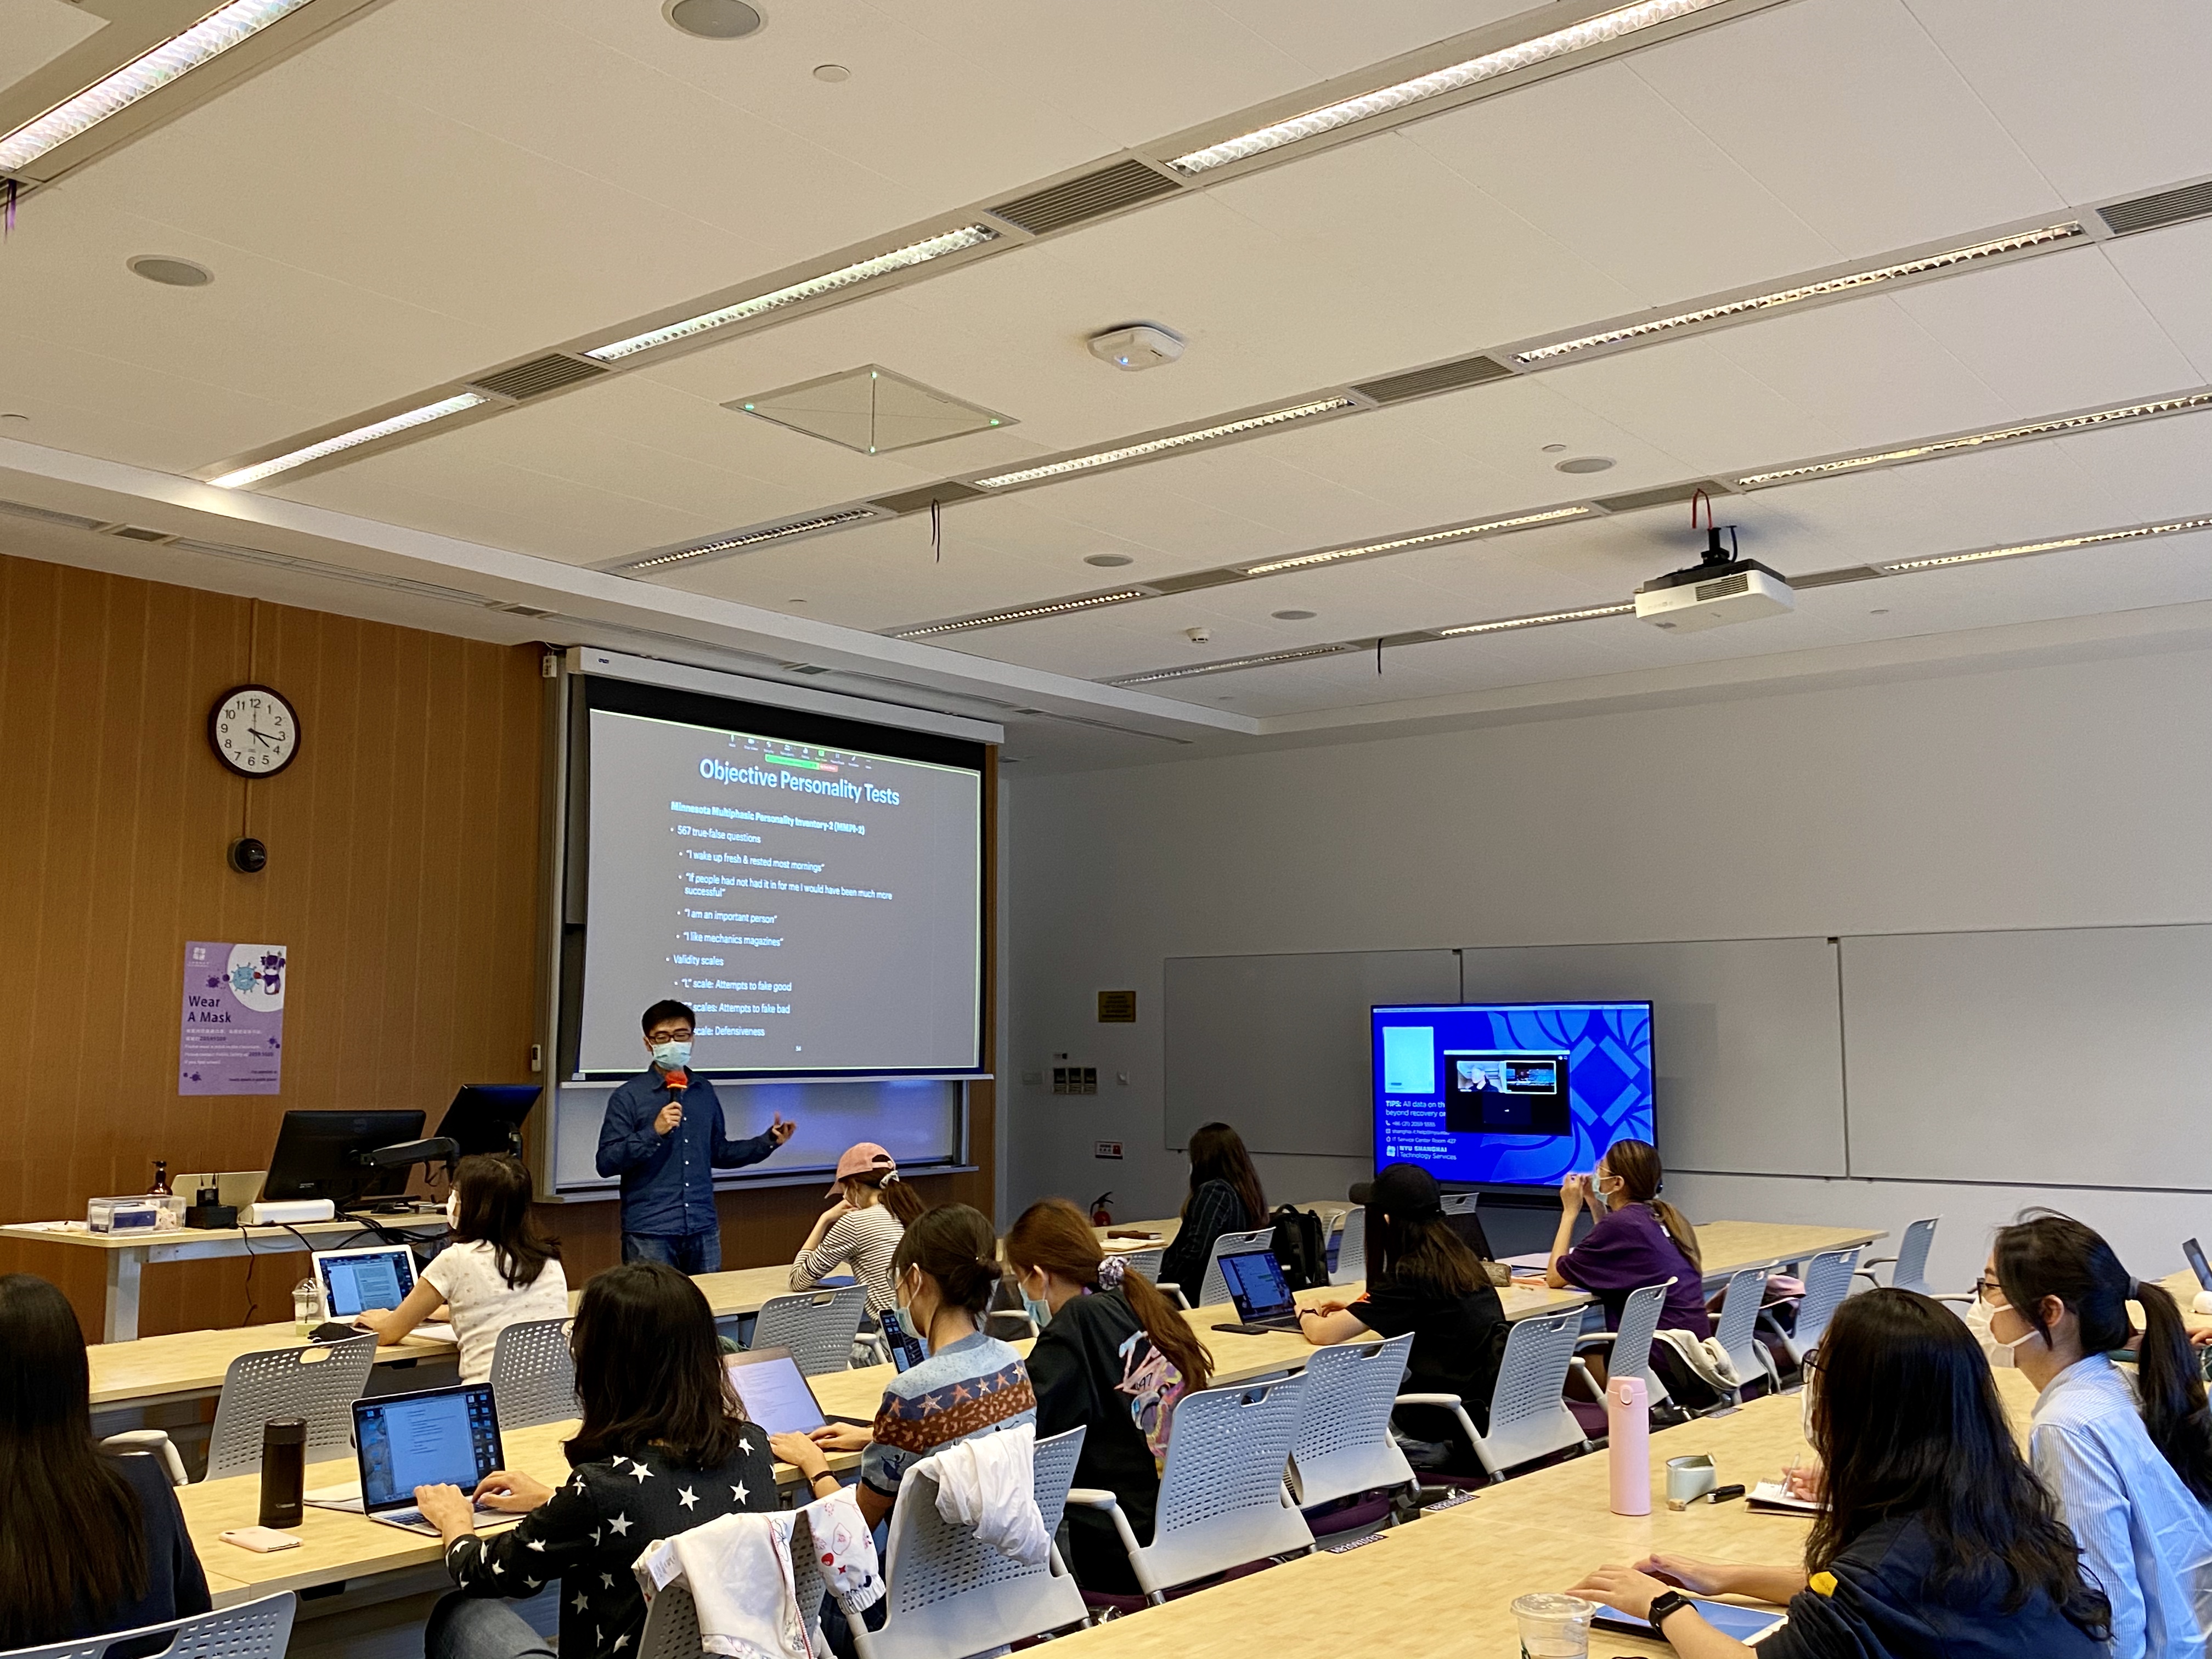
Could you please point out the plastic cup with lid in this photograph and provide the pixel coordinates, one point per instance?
(1554, 1626)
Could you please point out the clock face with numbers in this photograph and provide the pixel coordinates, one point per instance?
(253, 731)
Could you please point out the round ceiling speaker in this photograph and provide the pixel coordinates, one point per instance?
(170, 273)
(715, 20)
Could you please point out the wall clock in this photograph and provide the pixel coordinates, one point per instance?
(254, 731)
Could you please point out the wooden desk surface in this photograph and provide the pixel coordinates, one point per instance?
(1727, 1246)
(279, 1239)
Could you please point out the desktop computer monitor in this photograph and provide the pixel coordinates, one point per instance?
(488, 1117)
(324, 1155)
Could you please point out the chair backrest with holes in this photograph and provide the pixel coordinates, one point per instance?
(952, 1595)
(1213, 1289)
(1909, 1271)
(1738, 1318)
(1828, 1282)
(1221, 1498)
(1631, 1353)
(1351, 1248)
(817, 1326)
(533, 1374)
(1341, 1444)
(319, 1383)
(1529, 1414)
(251, 1630)
(1147, 1262)
(672, 1627)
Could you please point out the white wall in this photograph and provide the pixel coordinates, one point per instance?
(2070, 794)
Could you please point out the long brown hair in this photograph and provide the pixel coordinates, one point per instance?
(1908, 1426)
(494, 1192)
(1217, 1153)
(2045, 1254)
(893, 1194)
(1635, 1164)
(955, 1245)
(72, 1535)
(649, 1370)
(1055, 1238)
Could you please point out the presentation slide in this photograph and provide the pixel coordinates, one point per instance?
(1516, 1094)
(820, 908)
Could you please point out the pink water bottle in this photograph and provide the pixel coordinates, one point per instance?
(1628, 1444)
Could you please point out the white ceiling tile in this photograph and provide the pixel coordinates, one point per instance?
(2051, 333)
(2165, 270)
(1846, 111)
(2108, 100)
(1603, 163)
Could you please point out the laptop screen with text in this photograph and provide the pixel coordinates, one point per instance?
(444, 1436)
(1256, 1285)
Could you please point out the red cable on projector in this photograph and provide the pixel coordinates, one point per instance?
(1697, 496)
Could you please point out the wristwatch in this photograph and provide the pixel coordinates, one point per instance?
(1662, 1606)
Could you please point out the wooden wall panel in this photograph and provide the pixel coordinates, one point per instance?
(403, 879)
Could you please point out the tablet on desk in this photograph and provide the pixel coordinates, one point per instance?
(773, 1391)
(1749, 1625)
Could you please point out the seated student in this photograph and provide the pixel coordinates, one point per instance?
(664, 1447)
(1639, 1239)
(862, 1229)
(498, 1271)
(1112, 1357)
(1422, 1279)
(2131, 1480)
(1937, 1541)
(1224, 1197)
(90, 1543)
(945, 1269)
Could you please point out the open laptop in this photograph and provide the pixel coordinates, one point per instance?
(2195, 1252)
(1260, 1292)
(350, 1280)
(438, 1437)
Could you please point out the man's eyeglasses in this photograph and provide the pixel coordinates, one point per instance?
(1990, 1291)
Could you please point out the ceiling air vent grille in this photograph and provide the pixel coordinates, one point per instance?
(1093, 196)
(1725, 587)
(2165, 207)
(1437, 377)
(138, 533)
(537, 377)
(46, 515)
(916, 500)
(1665, 496)
(1856, 573)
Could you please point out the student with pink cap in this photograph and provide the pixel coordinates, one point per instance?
(863, 1228)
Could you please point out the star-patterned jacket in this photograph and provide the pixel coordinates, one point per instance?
(598, 1522)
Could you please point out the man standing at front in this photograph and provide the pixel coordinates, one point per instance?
(663, 1136)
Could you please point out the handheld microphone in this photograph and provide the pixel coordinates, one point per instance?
(676, 1082)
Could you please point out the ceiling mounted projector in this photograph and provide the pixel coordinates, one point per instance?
(1724, 589)
(1142, 345)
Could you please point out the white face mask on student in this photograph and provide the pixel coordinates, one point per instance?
(453, 1209)
(2001, 1356)
(672, 1056)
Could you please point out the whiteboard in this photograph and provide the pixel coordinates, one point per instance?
(1278, 1045)
(2075, 1057)
(1746, 1040)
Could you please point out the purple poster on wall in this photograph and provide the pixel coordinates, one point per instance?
(234, 1031)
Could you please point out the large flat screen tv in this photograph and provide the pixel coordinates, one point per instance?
(1513, 1094)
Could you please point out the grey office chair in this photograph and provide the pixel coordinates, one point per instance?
(319, 1383)
(533, 1374)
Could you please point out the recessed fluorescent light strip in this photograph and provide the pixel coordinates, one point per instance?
(353, 439)
(1587, 614)
(1307, 561)
(754, 538)
(213, 35)
(1026, 613)
(2098, 538)
(1159, 445)
(1266, 660)
(1976, 439)
(1597, 31)
(1871, 278)
(915, 254)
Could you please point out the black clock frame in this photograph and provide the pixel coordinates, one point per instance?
(299, 731)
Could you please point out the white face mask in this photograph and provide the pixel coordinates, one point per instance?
(453, 1209)
(672, 1056)
(2002, 1356)
(1805, 1407)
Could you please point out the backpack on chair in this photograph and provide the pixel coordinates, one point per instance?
(1302, 1247)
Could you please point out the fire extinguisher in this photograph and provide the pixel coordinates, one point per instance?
(1100, 1216)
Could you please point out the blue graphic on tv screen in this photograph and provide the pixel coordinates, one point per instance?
(1519, 1094)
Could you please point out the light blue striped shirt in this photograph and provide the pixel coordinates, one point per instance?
(2144, 1535)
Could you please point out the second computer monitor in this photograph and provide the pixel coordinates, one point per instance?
(323, 1155)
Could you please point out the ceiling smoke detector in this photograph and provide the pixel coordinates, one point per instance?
(1141, 345)
(714, 19)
